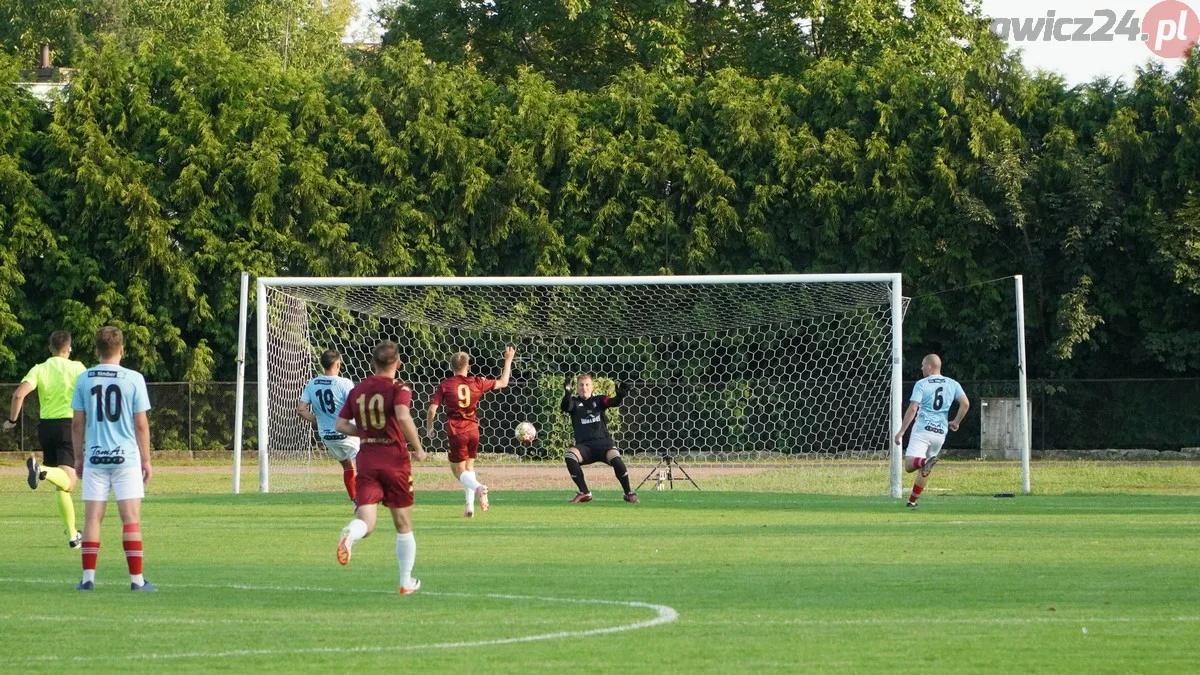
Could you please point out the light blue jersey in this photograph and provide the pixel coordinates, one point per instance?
(326, 395)
(109, 396)
(934, 395)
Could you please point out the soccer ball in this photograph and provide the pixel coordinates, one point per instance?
(526, 432)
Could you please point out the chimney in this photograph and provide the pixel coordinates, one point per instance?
(45, 56)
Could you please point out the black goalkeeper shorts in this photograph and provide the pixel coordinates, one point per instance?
(594, 451)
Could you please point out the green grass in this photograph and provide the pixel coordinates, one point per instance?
(755, 581)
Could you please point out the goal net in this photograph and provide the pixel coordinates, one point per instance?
(771, 370)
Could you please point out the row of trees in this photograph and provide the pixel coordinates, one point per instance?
(580, 137)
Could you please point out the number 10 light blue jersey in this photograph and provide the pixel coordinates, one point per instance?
(326, 395)
(934, 395)
(109, 396)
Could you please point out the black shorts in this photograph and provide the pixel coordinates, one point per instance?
(55, 439)
(594, 451)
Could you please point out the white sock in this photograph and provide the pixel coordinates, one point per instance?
(357, 529)
(89, 575)
(467, 478)
(406, 554)
(469, 494)
(137, 579)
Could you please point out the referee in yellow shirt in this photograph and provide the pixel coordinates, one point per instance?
(54, 380)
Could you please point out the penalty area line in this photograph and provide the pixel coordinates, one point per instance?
(663, 615)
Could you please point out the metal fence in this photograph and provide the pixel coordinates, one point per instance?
(1067, 414)
(185, 417)
(1155, 414)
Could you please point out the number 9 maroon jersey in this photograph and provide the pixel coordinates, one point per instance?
(372, 405)
(460, 394)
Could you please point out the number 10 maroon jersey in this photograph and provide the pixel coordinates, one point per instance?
(372, 405)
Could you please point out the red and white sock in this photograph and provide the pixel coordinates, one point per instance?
(133, 554)
(91, 551)
(919, 463)
(915, 494)
(348, 479)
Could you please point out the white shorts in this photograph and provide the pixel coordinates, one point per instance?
(124, 483)
(924, 444)
(343, 448)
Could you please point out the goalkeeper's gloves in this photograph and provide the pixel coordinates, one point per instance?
(568, 384)
(624, 389)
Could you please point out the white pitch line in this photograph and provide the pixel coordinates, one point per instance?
(664, 613)
(299, 620)
(214, 525)
(152, 621)
(981, 621)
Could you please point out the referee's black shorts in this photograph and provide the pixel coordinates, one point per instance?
(594, 451)
(55, 439)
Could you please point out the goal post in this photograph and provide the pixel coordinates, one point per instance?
(736, 368)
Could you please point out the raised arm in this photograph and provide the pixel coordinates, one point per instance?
(501, 383)
(964, 404)
(566, 402)
(623, 390)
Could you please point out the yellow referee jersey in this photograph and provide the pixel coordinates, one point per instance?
(54, 380)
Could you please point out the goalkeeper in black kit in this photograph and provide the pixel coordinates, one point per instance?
(593, 443)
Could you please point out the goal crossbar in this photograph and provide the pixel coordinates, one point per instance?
(665, 280)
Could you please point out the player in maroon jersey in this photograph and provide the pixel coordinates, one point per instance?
(460, 394)
(379, 406)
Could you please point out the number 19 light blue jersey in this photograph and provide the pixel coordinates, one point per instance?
(326, 395)
(109, 396)
(934, 395)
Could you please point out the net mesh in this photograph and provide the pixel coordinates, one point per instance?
(746, 372)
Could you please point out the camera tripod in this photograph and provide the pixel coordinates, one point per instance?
(667, 475)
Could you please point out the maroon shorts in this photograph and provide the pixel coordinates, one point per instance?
(389, 483)
(464, 446)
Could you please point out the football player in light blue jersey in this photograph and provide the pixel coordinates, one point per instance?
(320, 402)
(111, 435)
(929, 405)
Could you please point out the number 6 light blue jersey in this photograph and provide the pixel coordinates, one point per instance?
(933, 395)
(326, 395)
(109, 396)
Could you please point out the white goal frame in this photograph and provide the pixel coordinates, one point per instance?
(894, 280)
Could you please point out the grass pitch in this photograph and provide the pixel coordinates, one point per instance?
(1090, 580)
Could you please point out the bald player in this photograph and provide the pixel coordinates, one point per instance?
(54, 380)
(929, 405)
